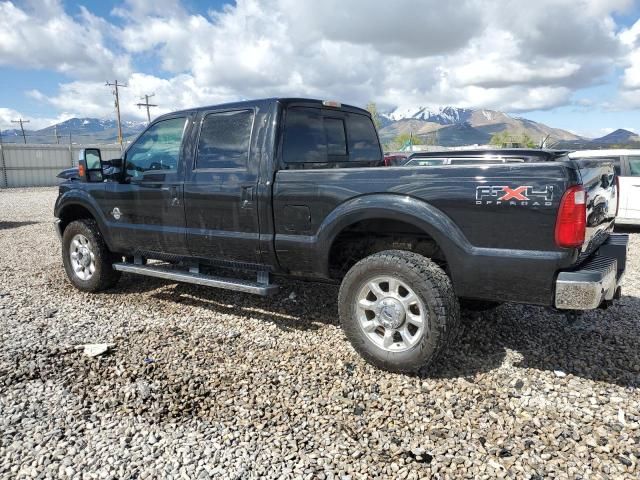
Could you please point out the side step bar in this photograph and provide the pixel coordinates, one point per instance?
(261, 287)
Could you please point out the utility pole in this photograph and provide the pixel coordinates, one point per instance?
(55, 132)
(21, 122)
(117, 95)
(147, 104)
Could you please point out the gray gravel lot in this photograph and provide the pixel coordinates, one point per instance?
(208, 383)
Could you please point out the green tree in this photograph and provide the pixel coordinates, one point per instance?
(405, 139)
(375, 116)
(512, 139)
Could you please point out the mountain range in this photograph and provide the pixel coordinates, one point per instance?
(82, 130)
(446, 126)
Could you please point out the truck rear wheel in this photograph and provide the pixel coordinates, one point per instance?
(86, 258)
(398, 309)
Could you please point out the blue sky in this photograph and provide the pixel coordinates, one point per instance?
(572, 64)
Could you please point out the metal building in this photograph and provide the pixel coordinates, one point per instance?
(37, 165)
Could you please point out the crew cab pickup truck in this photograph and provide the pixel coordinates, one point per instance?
(297, 188)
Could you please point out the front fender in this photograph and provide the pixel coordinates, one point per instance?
(74, 198)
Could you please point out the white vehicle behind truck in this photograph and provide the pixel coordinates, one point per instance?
(627, 165)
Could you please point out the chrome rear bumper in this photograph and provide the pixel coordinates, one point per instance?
(596, 280)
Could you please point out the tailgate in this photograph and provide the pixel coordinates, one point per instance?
(599, 180)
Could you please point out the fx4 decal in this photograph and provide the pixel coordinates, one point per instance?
(519, 196)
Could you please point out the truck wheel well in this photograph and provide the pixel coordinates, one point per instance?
(72, 213)
(367, 237)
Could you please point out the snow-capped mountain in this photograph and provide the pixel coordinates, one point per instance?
(90, 125)
(479, 125)
(443, 116)
(82, 130)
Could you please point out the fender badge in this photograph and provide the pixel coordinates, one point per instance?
(116, 213)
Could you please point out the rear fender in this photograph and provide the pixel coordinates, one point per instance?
(404, 208)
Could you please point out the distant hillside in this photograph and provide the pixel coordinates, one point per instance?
(460, 134)
(478, 126)
(618, 137)
(448, 126)
(82, 130)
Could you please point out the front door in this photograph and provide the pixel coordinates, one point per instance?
(147, 206)
(630, 188)
(220, 189)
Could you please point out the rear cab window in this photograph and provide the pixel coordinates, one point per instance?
(329, 138)
(426, 162)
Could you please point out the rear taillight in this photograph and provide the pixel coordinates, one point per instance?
(571, 223)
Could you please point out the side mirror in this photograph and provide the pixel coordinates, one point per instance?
(90, 165)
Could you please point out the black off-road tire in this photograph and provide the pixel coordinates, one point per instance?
(429, 282)
(104, 276)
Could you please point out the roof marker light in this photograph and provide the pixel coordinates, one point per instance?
(331, 103)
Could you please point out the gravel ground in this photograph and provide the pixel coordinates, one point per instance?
(208, 383)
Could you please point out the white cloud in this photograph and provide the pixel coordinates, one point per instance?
(512, 56)
(41, 35)
(8, 115)
(516, 56)
(629, 95)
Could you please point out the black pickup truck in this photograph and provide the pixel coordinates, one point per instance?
(297, 188)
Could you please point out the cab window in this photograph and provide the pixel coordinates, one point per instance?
(634, 166)
(157, 149)
(615, 160)
(224, 140)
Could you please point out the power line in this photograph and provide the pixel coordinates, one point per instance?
(117, 95)
(147, 104)
(21, 122)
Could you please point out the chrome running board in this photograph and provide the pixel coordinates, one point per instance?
(260, 287)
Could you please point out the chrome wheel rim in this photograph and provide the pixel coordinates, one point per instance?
(83, 261)
(391, 314)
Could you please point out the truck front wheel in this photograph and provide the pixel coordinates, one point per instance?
(86, 258)
(398, 309)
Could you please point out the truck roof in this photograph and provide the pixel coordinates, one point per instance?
(312, 102)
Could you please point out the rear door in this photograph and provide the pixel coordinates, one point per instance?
(630, 187)
(220, 189)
